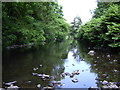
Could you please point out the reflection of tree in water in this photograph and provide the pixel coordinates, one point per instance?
(50, 56)
(108, 68)
(106, 65)
(74, 50)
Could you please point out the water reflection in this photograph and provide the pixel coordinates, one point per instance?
(59, 61)
(105, 64)
(20, 64)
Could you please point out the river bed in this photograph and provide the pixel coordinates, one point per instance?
(26, 67)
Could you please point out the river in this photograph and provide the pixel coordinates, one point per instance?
(58, 61)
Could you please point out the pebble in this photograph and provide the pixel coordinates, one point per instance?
(28, 81)
(82, 59)
(35, 69)
(67, 74)
(38, 85)
(63, 74)
(73, 64)
(91, 52)
(108, 55)
(75, 80)
(71, 75)
(114, 60)
(40, 65)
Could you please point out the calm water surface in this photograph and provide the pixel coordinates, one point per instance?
(55, 59)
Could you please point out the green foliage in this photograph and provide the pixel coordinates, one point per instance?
(75, 26)
(104, 30)
(26, 22)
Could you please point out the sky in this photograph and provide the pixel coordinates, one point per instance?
(82, 8)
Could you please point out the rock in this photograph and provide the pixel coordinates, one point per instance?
(13, 87)
(95, 64)
(97, 57)
(104, 86)
(35, 69)
(71, 75)
(104, 75)
(2, 89)
(97, 78)
(40, 65)
(104, 82)
(56, 82)
(82, 59)
(76, 72)
(67, 74)
(91, 52)
(34, 74)
(47, 88)
(75, 80)
(113, 86)
(29, 81)
(63, 74)
(108, 55)
(114, 60)
(82, 70)
(39, 75)
(115, 70)
(73, 64)
(46, 76)
(38, 85)
(10, 83)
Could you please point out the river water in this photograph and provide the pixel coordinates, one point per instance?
(59, 61)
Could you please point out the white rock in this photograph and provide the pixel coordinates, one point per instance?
(105, 86)
(10, 83)
(13, 87)
(75, 80)
(40, 65)
(108, 55)
(38, 85)
(105, 82)
(91, 52)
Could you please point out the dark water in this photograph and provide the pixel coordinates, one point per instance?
(54, 59)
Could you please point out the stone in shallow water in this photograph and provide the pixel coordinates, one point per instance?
(114, 60)
(105, 86)
(67, 73)
(34, 74)
(13, 87)
(104, 82)
(91, 52)
(38, 86)
(108, 55)
(29, 81)
(75, 80)
(40, 65)
(71, 75)
(73, 64)
(10, 83)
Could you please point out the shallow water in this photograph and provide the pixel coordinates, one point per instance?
(54, 59)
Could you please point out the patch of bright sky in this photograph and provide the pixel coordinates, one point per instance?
(82, 8)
